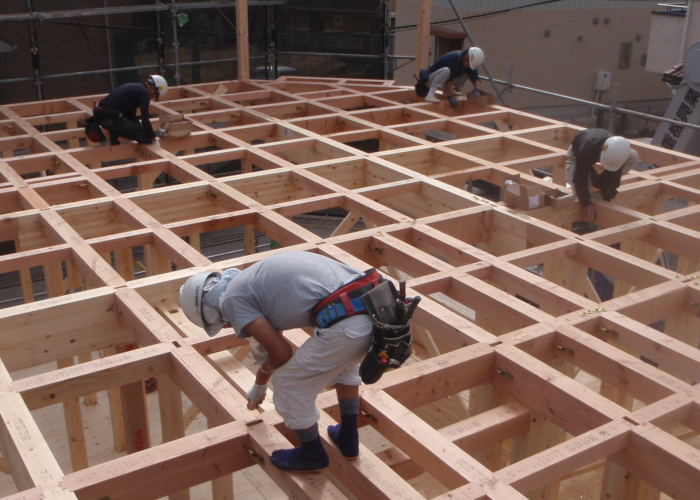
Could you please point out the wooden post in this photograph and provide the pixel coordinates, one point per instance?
(423, 38)
(115, 410)
(74, 426)
(134, 406)
(222, 487)
(171, 420)
(242, 40)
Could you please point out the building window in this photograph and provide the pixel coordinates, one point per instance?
(625, 55)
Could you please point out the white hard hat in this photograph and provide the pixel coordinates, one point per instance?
(616, 151)
(476, 57)
(191, 299)
(159, 83)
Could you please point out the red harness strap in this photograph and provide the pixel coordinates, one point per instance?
(371, 276)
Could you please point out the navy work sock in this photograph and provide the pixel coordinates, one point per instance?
(311, 455)
(345, 435)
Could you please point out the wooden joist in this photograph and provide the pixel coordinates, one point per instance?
(540, 354)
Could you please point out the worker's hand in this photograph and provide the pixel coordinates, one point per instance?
(477, 91)
(588, 212)
(453, 101)
(255, 396)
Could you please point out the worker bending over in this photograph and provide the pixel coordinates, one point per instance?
(615, 156)
(116, 113)
(451, 71)
(295, 290)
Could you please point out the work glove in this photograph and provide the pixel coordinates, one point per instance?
(423, 75)
(256, 395)
(477, 92)
(453, 101)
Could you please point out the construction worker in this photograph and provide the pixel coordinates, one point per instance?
(451, 71)
(294, 290)
(615, 156)
(116, 113)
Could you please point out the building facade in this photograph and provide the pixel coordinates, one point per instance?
(556, 46)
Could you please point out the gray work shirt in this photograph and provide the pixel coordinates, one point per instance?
(284, 289)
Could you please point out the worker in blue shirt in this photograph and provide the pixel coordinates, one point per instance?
(451, 71)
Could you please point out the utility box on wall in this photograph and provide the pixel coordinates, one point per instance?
(602, 80)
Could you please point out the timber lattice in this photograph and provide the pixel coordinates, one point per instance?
(492, 406)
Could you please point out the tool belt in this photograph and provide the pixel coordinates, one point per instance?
(107, 117)
(391, 320)
(391, 333)
(92, 129)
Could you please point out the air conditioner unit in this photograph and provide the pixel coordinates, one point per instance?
(602, 80)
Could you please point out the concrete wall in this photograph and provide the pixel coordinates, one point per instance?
(559, 63)
(664, 42)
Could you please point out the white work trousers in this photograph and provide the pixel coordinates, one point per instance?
(330, 356)
(439, 78)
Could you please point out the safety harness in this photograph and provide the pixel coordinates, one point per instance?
(345, 301)
(391, 314)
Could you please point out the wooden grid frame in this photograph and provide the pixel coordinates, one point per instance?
(523, 376)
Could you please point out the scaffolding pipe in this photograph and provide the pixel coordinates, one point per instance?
(471, 40)
(385, 41)
(109, 49)
(34, 48)
(43, 16)
(161, 47)
(173, 13)
(684, 38)
(333, 54)
(509, 86)
(613, 109)
(270, 45)
(116, 70)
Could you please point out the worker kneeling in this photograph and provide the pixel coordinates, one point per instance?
(352, 314)
(449, 73)
(116, 113)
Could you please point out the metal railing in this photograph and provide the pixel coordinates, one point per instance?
(612, 108)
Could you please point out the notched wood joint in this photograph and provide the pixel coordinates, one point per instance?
(259, 459)
(370, 417)
(565, 350)
(612, 333)
(503, 373)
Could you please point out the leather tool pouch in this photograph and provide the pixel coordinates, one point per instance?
(391, 335)
(92, 129)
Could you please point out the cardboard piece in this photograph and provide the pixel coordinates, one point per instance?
(485, 99)
(175, 126)
(556, 198)
(522, 196)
